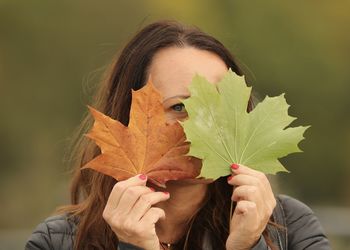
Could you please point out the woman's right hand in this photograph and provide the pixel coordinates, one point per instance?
(130, 214)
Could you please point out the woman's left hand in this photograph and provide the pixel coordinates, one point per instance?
(255, 203)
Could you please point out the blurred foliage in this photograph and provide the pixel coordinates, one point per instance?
(52, 54)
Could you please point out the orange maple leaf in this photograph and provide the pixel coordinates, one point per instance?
(149, 145)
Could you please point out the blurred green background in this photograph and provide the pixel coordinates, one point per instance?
(52, 54)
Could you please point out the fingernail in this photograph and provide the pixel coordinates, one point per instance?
(166, 193)
(229, 178)
(142, 177)
(152, 189)
(234, 166)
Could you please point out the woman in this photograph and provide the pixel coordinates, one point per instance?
(189, 214)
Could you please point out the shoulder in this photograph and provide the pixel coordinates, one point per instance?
(293, 208)
(61, 224)
(304, 231)
(56, 232)
(58, 224)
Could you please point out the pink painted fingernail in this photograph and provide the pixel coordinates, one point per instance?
(229, 178)
(234, 166)
(152, 189)
(142, 177)
(166, 193)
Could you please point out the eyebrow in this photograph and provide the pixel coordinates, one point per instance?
(177, 96)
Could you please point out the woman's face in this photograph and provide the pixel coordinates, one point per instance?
(172, 70)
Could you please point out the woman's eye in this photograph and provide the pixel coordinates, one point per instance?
(180, 107)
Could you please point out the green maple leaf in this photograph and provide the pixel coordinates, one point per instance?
(221, 131)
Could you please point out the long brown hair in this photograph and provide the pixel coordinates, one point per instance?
(90, 189)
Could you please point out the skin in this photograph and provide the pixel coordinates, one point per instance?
(143, 216)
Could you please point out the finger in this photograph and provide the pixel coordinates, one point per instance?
(264, 187)
(251, 193)
(241, 169)
(121, 186)
(246, 214)
(152, 216)
(145, 202)
(129, 198)
(243, 179)
(245, 192)
(245, 207)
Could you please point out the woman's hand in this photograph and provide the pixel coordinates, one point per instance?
(130, 214)
(255, 204)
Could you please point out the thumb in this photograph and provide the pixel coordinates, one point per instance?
(245, 210)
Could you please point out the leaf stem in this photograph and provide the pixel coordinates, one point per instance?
(231, 208)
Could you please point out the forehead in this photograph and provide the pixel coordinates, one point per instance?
(172, 69)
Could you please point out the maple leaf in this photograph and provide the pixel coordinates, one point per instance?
(149, 145)
(221, 131)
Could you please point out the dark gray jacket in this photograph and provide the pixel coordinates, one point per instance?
(303, 231)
